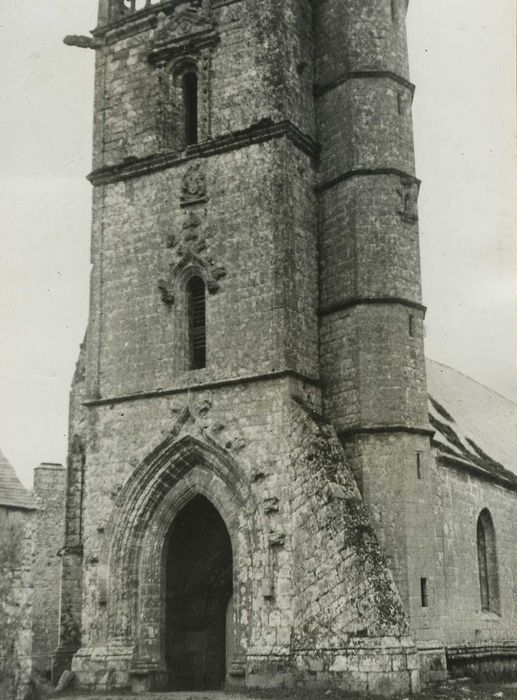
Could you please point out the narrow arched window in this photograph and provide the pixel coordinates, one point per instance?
(190, 94)
(487, 563)
(196, 296)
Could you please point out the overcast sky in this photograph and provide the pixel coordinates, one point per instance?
(462, 60)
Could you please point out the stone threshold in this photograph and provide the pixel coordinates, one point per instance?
(184, 695)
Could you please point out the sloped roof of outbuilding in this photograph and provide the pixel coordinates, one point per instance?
(474, 425)
(12, 491)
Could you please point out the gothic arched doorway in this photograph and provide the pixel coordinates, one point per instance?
(199, 584)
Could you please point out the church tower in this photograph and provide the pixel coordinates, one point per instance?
(249, 430)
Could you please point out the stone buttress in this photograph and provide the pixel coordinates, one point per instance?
(260, 152)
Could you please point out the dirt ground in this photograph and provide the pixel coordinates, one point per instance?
(457, 690)
(462, 689)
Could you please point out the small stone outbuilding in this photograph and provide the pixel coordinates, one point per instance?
(17, 518)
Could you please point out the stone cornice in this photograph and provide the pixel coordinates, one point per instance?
(366, 172)
(133, 23)
(322, 89)
(186, 45)
(384, 429)
(202, 386)
(257, 133)
(475, 651)
(4, 503)
(369, 301)
(76, 549)
(471, 468)
(113, 30)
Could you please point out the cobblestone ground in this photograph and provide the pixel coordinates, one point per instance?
(459, 690)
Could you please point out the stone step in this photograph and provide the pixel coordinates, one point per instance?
(185, 695)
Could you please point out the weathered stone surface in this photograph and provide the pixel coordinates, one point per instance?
(307, 430)
(16, 581)
(49, 494)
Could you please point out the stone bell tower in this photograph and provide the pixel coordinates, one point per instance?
(249, 408)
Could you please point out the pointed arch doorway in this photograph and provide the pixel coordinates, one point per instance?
(199, 586)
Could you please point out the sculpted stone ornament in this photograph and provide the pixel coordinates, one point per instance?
(271, 505)
(195, 412)
(235, 442)
(276, 539)
(191, 247)
(237, 668)
(166, 293)
(101, 525)
(115, 491)
(408, 193)
(188, 30)
(188, 257)
(259, 474)
(170, 240)
(202, 403)
(193, 186)
(82, 42)
(192, 234)
(404, 103)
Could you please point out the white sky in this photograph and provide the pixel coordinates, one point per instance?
(462, 60)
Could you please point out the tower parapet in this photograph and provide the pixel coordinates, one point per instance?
(113, 10)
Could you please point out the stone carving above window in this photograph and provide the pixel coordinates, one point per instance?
(191, 251)
(193, 186)
(212, 276)
(276, 539)
(188, 30)
(194, 417)
(191, 248)
(271, 505)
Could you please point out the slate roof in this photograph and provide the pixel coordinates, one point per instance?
(12, 492)
(475, 426)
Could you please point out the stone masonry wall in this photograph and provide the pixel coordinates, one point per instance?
(263, 318)
(283, 231)
(402, 472)
(376, 35)
(72, 552)
(300, 491)
(261, 69)
(463, 497)
(49, 492)
(348, 612)
(16, 581)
